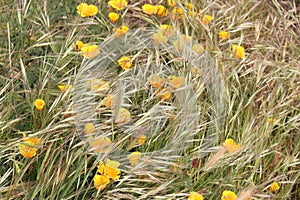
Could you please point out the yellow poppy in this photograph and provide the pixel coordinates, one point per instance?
(231, 146)
(166, 30)
(100, 145)
(78, 45)
(195, 196)
(239, 51)
(274, 187)
(159, 38)
(125, 62)
(229, 195)
(90, 51)
(156, 81)
(113, 17)
(98, 85)
(207, 19)
(123, 116)
(149, 9)
(118, 4)
(142, 139)
(177, 12)
(120, 31)
(29, 146)
(110, 169)
(223, 35)
(64, 88)
(198, 49)
(164, 94)
(134, 158)
(89, 128)
(86, 10)
(100, 181)
(171, 3)
(176, 81)
(161, 11)
(39, 104)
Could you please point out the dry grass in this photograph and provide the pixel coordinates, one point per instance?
(254, 101)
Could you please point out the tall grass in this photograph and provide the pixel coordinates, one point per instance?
(254, 101)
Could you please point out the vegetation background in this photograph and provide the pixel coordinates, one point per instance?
(262, 109)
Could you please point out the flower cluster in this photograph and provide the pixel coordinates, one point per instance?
(158, 10)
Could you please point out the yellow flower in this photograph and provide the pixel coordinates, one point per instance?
(29, 146)
(229, 195)
(78, 45)
(89, 128)
(207, 19)
(164, 94)
(149, 9)
(134, 158)
(271, 119)
(161, 11)
(192, 13)
(113, 17)
(171, 3)
(39, 104)
(142, 139)
(90, 51)
(159, 38)
(125, 62)
(198, 49)
(274, 187)
(86, 10)
(64, 88)
(189, 6)
(118, 4)
(100, 145)
(100, 181)
(166, 30)
(239, 51)
(156, 81)
(231, 146)
(177, 12)
(183, 40)
(123, 116)
(195, 196)
(176, 81)
(98, 85)
(120, 31)
(224, 35)
(109, 169)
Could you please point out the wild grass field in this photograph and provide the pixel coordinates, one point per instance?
(150, 99)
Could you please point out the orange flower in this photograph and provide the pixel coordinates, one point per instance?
(29, 146)
(195, 196)
(39, 104)
(134, 158)
(86, 10)
(207, 19)
(177, 12)
(223, 35)
(125, 62)
(113, 17)
(239, 51)
(100, 181)
(109, 169)
(90, 51)
(118, 4)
